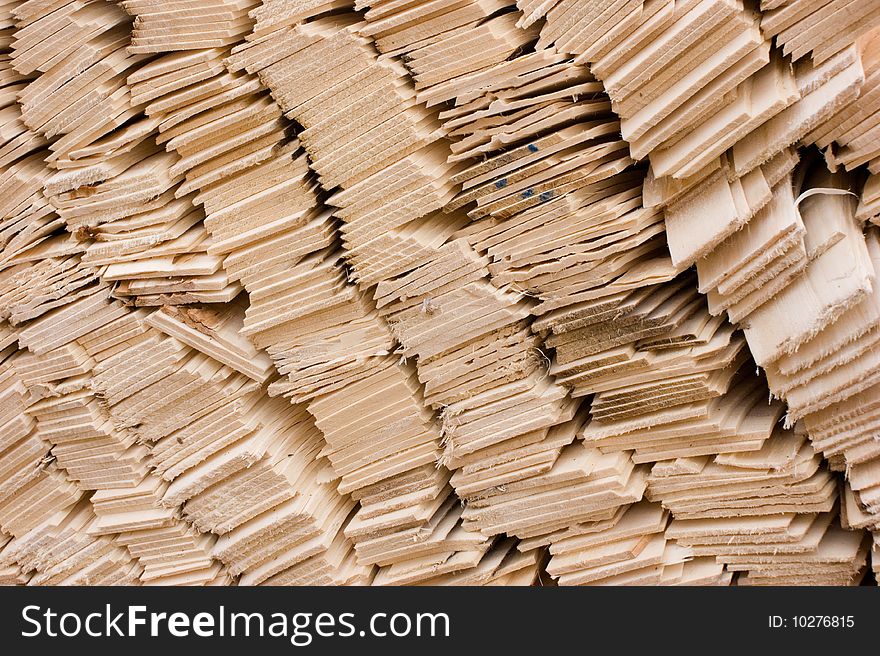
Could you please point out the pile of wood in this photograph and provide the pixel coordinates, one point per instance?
(739, 420)
(460, 292)
(631, 548)
(33, 485)
(66, 550)
(770, 514)
(849, 136)
(244, 465)
(187, 25)
(580, 485)
(819, 28)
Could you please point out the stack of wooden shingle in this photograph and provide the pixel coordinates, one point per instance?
(266, 220)
(631, 548)
(219, 123)
(11, 573)
(780, 549)
(624, 340)
(756, 163)
(506, 407)
(49, 276)
(80, 94)
(820, 28)
(785, 475)
(715, 124)
(26, 218)
(688, 79)
(62, 551)
(264, 495)
(502, 564)
(309, 340)
(254, 184)
(384, 445)
(751, 266)
(739, 420)
(32, 487)
(187, 24)
(345, 380)
(113, 186)
(364, 133)
(99, 453)
(250, 470)
(169, 549)
(854, 130)
(420, 32)
(582, 485)
(771, 513)
(837, 362)
(496, 418)
(468, 351)
(85, 443)
(546, 169)
(823, 355)
(500, 404)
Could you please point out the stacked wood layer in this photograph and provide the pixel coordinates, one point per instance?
(459, 292)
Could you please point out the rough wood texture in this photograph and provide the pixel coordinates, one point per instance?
(386, 292)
